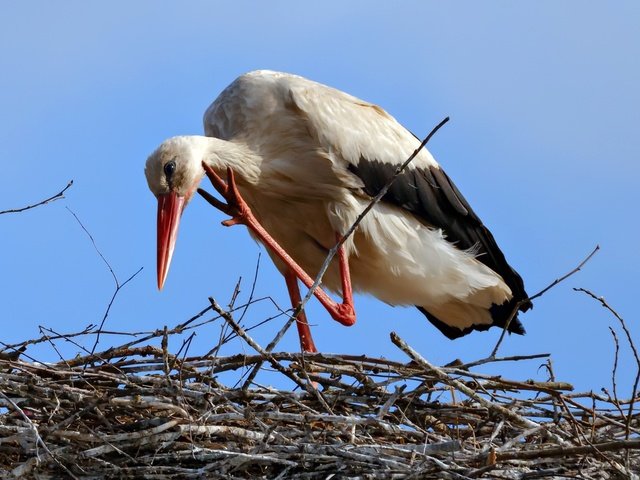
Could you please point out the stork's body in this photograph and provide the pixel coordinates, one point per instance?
(307, 159)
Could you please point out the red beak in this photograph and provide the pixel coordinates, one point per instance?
(170, 208)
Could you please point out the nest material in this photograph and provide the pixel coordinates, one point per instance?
(141, 412)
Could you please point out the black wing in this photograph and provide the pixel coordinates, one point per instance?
(432, 197)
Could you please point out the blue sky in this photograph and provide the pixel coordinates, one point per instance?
(543, 141)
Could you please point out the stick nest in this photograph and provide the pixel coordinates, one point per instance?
(142, 412)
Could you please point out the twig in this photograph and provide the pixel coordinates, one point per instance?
(118, 285)
(566, 451)
(634, 391)
(241, 333)
(442, 376)
(552, 377)
(234, 295)
(53, 345)
(269, 349)
(53, 198)
(564, 277)
(108, 309)
(614, 370)
(253, 287)
(514, 358)
(47, 338)
(517, 306)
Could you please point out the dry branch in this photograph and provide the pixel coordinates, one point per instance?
(52, 198)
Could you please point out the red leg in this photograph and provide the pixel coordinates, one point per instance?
(304, 332)
(347, 291)
(241, 214)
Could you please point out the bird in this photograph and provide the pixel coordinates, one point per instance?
(297, 162)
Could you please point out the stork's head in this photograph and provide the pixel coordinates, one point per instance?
(173, 173)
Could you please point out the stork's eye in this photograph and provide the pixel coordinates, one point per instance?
(169, 169)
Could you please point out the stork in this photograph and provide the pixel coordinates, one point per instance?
(297, 162)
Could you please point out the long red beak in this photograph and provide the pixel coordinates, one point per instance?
(170, 208)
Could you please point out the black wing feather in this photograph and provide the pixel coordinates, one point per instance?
(433, 198)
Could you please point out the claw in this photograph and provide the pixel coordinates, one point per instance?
(214, 201)
(233, 221)
(235, 207)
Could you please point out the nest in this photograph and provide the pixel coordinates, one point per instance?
(139, 411)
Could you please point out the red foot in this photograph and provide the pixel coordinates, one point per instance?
(344, 314)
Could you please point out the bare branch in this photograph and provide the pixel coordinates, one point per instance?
(513, 358)
(442, 376)
(564, 277)
(252, 343)
(634, 391)
(53, 198)
(118, 285)
(95, 247)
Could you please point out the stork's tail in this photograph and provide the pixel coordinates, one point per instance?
(500, 314)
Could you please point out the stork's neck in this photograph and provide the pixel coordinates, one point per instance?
(220, 154)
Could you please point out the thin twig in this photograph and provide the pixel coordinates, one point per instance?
(53, 345)
(564, 277)
(517, 306)
(634, 391)
(513, 358)
(241, 333)
(95, 246)
(253, 287)
(53, 198)
(442, 376)
(118, 285)
(269, 349)
(89, 330)
(614, 370)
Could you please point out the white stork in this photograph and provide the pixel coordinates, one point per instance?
(297, 162)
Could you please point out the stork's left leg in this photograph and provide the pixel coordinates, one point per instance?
(241, 214)
(304, 332)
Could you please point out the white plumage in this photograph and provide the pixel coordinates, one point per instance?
(307, 159)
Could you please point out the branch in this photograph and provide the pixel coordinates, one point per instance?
(604, 303)
(118, 285)
(461, 387)
(514, 358)
(558, 280)
(253, 344)
(55, 197)
(539, 453)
